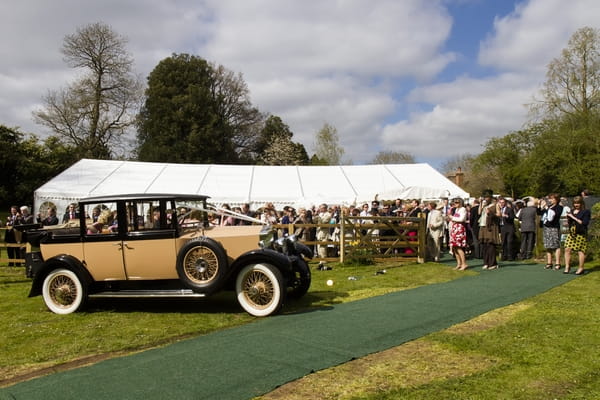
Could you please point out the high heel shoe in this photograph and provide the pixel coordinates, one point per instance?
(557, 267)
(580, 272)
(567, 270)
(548, 266)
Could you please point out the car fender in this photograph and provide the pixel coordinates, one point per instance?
(303, 249)
(59, 261)
(278, 260)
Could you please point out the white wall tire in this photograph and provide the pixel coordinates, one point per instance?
(260, 289)
(63, 292)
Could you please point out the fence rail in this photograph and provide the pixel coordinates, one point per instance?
(5, 246)
(374, 238)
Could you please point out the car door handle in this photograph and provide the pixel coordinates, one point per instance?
(127, 246)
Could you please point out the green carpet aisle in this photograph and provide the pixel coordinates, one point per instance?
(250, 360)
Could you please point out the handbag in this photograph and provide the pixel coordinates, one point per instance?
(581, 229)
(578, 229)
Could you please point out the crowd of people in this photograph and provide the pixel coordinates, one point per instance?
(486, 226)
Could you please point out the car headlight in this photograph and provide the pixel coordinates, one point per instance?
(267, 236)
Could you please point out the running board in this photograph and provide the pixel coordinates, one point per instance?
(148, 293)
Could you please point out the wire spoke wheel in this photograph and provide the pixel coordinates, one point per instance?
(63, 292)
(260, 289)
(201, 264)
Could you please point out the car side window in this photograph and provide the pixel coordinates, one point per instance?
(144, 216)
(100, 219)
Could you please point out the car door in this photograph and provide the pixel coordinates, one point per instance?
(102, 246)
(149, 245)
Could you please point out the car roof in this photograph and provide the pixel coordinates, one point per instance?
(144, 196)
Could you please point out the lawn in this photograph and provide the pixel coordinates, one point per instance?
(35, 340)
(542, 348)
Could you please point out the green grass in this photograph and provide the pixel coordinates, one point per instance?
(34, 338)
(545, 347)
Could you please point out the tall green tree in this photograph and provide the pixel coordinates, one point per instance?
(196, 112)
(561, 149)
(94, 113)
(326, 147)
(26, 164)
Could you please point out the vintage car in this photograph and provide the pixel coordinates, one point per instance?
(162, 245)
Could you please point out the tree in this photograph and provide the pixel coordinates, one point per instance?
(96, 111)
(282, 151)
(274, 145)
(232, 106)
(572, 84)
(326, 147)
(393, 157)
(504, 162)
(196, 112)
(272, 128)
(25, 164)
(475, 179)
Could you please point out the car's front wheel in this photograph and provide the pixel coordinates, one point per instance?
(63, 291)
(260, 289)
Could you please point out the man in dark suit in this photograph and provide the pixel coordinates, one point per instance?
(507, 229)
(51, 218)
(528, 217)
(474, 224)
(71, 213)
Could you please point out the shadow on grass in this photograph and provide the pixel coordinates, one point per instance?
(221, 303)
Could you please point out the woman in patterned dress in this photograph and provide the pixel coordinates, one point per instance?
(579, 220)
(552, 210)
(458, 234)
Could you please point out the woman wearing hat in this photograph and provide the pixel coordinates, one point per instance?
(489, 232)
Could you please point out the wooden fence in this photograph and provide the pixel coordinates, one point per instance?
(362, 238)
(4, 249)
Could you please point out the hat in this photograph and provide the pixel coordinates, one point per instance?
(487, 193)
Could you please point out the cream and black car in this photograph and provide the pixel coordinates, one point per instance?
(162, 245)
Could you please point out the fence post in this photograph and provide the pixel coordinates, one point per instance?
(422, 239)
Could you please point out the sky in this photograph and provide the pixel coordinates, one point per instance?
(432, 78)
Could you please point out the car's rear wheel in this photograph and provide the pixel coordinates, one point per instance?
(301, 280)
(63, 291)
(201, 264)
(260, 289)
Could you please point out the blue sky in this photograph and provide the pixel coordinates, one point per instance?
(433, 78)
(472, 21)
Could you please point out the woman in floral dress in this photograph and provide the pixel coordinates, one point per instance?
(458, 234)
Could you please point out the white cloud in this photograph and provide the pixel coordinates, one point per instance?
(459, 116)
(465, 114)
(534, 34)
(349, 63)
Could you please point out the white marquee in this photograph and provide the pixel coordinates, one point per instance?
(236, 184)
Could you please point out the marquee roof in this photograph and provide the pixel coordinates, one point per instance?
(236, 184)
